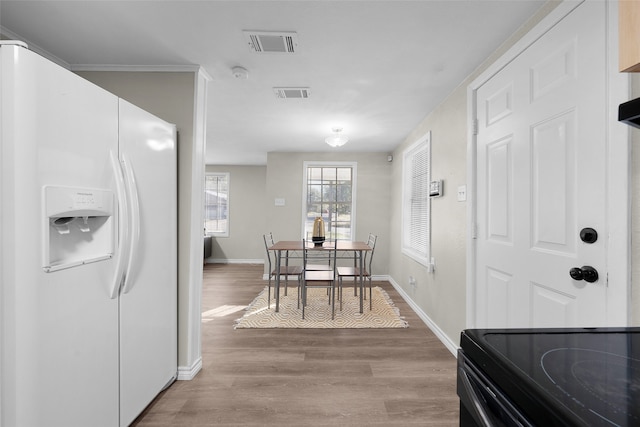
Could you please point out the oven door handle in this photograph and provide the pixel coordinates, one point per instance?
(476, 400)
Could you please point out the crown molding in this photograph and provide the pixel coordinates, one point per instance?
(33, 47)
(136, 68)
(8, 34)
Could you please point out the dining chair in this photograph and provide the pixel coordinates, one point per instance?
(319, 278)
(285, 270)
(318, 261)
(354, 272)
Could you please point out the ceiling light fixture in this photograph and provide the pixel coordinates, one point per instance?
(337, 139)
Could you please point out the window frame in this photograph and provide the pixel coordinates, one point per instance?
(324, 164)
(409, 246)
(224, 233)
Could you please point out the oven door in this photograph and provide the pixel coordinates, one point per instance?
(482, 404)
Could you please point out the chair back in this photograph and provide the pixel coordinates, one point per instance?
(371, 242)
(268, 242)
(328, 251)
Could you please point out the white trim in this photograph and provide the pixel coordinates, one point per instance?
(227, 175)
(187, 373)
(34, 47)
(451, 346)
(233, 261)
(548, 22)
(618, 182)
(354, 190)
(137, 68)
(190, 68)
(618, 164)
(193, 351)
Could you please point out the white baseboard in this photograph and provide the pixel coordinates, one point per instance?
(187, 373)
(233, 261)
(451, 346)
(294, 278)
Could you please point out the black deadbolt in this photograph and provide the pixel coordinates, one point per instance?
(588, 235)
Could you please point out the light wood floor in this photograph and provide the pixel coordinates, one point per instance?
(303, 377)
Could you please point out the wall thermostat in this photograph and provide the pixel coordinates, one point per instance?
(435, 188)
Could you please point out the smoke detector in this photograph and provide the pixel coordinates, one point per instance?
(292, 92)
(240, 73)
(271, 41)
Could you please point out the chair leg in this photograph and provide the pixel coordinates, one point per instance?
(304, 297)
(370, 295)
(269, 292)
(333, 300)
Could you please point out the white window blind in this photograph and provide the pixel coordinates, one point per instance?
(416, 205)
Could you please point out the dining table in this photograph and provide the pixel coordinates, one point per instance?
(345, 246)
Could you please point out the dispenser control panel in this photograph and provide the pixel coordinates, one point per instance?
(78, 226)
(67, 201)
(84, 200)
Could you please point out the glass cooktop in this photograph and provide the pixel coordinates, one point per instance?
(590, 376)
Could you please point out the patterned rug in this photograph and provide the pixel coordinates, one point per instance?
(318, 311)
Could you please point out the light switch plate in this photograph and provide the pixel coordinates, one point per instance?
(462, 193)
(279, 202)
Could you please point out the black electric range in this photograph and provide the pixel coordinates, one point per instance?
(549, 377)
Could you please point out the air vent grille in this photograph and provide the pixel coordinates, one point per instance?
(292, 92)
(271, 42)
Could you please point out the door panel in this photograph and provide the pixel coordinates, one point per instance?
(148, 304)
(500, 205)
(553, 156)
(59, 337)
(541, 168)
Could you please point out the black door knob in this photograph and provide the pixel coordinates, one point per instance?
(586, 273)
(588, 235)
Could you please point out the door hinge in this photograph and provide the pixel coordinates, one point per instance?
(474, 231)
(475, 127)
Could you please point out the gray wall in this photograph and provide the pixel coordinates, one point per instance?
(440, 294)
(247, 215)
(253, 212)
(373, 195)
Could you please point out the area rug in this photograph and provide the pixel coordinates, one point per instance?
(318, 311)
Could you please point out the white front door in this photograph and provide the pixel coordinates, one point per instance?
(542, 178)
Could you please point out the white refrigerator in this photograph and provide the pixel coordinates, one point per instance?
(88, 249)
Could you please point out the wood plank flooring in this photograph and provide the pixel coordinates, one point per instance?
(303, 377)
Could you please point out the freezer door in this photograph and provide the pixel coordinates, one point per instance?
(59, 338)
(148, 301)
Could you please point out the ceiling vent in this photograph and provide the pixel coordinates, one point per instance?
(271, 42)
(292, 92)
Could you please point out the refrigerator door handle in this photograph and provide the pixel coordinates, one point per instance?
(123, 228)
(134, 223)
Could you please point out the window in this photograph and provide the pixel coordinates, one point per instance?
(416, 206)
(216, 204)
(329, 192)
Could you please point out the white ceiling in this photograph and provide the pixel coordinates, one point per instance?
(374, 68)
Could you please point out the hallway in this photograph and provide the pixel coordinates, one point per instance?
(304, 377)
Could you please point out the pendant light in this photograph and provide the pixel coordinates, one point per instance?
(336, 139)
